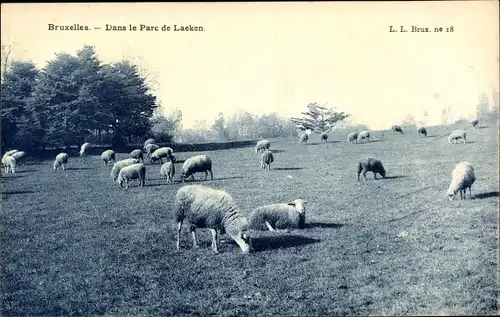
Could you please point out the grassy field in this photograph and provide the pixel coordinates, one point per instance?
(73, 243)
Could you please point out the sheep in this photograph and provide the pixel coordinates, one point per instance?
(119, 165)
(147, 142)
(150, 148)
(324, 137)
(462, 177)
(83, 149)
(18, 155)
(205, 207)
(131, 172)
(456, 135)
(353, 136)
(160, 153)
(9, 153)
(266, 159)
(303, 138)
(364, 135)
(137, 154)
(61, 161)
(396, 128)
(368, 164)
(475, 123)
(9, 164)
(290, 215)
(422, 131)
(197, 164)
(262, 145)
(167, 171)
(108, 156)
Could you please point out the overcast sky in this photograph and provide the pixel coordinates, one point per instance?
(278, 57)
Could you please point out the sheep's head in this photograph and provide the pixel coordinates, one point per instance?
(451, 194)
(381, 171)
(299, 204)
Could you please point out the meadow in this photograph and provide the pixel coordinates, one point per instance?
(74, 243)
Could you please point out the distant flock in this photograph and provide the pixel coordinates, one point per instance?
(205, 207)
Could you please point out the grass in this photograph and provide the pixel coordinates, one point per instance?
(74, 244)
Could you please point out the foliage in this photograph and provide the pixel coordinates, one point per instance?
(166, 126)
(319, 118)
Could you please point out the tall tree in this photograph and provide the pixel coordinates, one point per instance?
(318, 118)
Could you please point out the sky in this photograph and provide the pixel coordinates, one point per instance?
(278, 57)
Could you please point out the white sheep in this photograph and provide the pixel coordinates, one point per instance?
(18, 155)
(147, 142)
(197, 164)
(262, 145)
(353, 136)
(290, 215)
(303, 138)
(266, 159)
(84, 148)
(422, 131)
(131, 172)
(167, 171)
(456, 135)
(9, 164)
(137, 154)
(364, 135)
(205, 207)
(163, 152)
(475, 123)
(462, 177)
(150, 148)
(61, 161)
(369, 164)
(9, 153)
(396, 128)
(108, 156)
(119, 165)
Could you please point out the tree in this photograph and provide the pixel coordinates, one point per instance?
(483, 106)
(319, 118)
(6, 50)
(409, 120)
(219, 129)
(166, 127)
(446, 115)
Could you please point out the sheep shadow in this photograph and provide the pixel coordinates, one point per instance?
(26, 171)
(432, 136)
(78, 168)
(323, 225)
(288, 168)
(486, 195)
(483, 127)
(372, 141)
(280, 241)
(393, 177)
(277, 150)
(17, 192)
(333, 141)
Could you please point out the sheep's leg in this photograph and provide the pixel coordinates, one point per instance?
(211, 175)
(358, 175)
(364, 174)
(179, 227)
(214, 240)
(206, 175)
(192, 177)
(470, 192)
(64, 167)
(192, 228)
(269, 226)
(374, 175)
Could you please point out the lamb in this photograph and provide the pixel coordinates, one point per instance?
(131, 172)
(108, 156)
(364, 135)
(475, 123)
(147, 142)
(267, 159)
(137, 154)
(119, 165)
(197, 164)
(462, 177)
(303, 138)
(353, 136)
(167, 171)
(262, 145)
(163, 152)
(84, 148)
(61, 161)
(150, 148)
(369, 164)
(205, 207)
(324, 137)
(396, 128)
(456, 135)
(422, 131)
(290, 215)
(9, 164)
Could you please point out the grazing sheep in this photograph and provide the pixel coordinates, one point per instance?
(167, 171)
(267, 159)
(159, 154)
(422, 131)
(172, 158)
(9, 164)
(9, 153)
(18, 155)
(137, 154)
(353, 136)
(119, 165)
(150, 148)
(364, 135)
(131, 172)
(462, 177)
(205, 207)
(61, 161)
(197, 164)
(84, 148)
(324, 137)
(475, 123)
(290, 215)
(262, 145)
(303, 138)
(108, 156)
(456, 135)
(368, 164)
(396, 128)
(148, 141)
